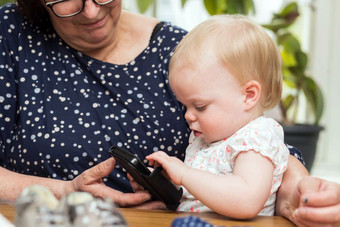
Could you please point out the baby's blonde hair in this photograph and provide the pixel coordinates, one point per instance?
(242, 46)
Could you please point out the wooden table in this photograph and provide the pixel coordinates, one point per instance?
(159, 218)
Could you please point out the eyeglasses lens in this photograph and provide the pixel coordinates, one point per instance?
(72, 7)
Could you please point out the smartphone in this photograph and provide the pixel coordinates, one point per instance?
(160, 188)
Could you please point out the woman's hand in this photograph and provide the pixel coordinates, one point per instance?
(318, 203)
(307, 200)
(153, 205)
(91, 181)
(134, 185)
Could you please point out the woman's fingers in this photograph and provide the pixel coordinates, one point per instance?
(91, 181)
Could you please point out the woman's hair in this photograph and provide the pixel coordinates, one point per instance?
(242, 46)
(33, 10)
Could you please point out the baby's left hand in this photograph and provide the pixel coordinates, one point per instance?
(174, 167)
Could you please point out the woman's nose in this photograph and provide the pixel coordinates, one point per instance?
(91, 9)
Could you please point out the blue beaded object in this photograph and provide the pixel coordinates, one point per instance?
(190, 221)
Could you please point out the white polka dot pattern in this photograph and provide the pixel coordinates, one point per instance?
(60, 110)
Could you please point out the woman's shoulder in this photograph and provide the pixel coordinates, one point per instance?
(146, 25)
(166, 35)
(174, 30)
(137, 24)
(11, 26)
(7, 7)
(13, 23)
(9, 14)
(16, 30)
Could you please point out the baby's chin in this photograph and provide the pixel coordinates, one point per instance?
(206, 139)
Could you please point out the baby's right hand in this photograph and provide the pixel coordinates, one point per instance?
(173, 166)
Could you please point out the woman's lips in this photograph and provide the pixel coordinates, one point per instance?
(96, 24)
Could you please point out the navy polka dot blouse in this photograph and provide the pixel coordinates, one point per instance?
(60, 111)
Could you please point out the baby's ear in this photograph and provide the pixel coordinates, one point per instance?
(252, 93)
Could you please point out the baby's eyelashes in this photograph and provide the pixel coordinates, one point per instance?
(201, 107)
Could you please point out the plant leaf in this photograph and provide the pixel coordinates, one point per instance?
(250, 6)
(314, 97)
(283, 19)
(289, 9)
(234, 7)
(143, 5)
(297, 73)
(288, 58)
(289, 42)
(214, 7)
(319, 106)
(291, 51)
(301, 59)
(289, 80)
(3, 2)
(276, 24)
(287, 101)
(239, 7)
(184, 2)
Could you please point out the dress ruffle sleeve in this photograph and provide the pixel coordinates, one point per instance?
(262, 135)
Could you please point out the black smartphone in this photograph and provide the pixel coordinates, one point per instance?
(160, 187)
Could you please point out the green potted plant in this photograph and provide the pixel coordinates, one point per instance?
(298, 85)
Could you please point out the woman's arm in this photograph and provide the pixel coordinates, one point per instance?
(307, 200)
(241, 195)
(286, 197)
(12, 184)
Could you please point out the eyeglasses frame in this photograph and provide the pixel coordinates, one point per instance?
(51, 4)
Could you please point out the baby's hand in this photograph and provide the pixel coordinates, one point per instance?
(174, 167)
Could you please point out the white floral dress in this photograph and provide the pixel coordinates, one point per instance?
(263, 135)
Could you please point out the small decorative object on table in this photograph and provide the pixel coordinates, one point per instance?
(190, 221)
(37, 207)
(4, 222)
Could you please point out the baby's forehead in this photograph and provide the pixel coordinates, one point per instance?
(193, 65)
(196, 54)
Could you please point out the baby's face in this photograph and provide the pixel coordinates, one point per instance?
(213, 98)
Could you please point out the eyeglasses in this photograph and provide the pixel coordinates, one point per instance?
(69, 8)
